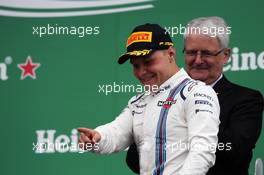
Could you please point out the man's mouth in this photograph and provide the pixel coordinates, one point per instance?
(200, 67)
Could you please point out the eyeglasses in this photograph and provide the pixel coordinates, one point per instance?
(202, 53)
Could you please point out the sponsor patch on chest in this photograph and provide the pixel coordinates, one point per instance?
(167, 103)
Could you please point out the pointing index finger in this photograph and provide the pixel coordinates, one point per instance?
(84, 130)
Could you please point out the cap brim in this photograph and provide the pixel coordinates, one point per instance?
(123, 58)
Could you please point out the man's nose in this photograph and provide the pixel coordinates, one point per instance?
(142, 70)
(198, 59)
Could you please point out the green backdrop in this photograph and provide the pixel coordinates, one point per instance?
(65, 93)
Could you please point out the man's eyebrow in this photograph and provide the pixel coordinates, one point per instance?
(148, 60)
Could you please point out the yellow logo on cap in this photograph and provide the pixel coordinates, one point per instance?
(166, 43)
(139, 52)
(139, 37)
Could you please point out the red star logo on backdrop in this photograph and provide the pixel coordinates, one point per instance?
(28, 68)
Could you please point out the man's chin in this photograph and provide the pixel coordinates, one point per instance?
(150, 86)
(201, 75)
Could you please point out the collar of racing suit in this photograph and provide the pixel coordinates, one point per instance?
(175, 79)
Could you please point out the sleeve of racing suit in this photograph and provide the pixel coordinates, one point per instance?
(117, 135)
(202, 116)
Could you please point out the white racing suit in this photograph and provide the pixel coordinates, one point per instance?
(175, 129)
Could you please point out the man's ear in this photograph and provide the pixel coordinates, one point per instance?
(226, 55)
(172, 53)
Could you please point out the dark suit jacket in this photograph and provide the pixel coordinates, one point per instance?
(241, 122)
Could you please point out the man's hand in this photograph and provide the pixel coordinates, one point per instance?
(88, 136)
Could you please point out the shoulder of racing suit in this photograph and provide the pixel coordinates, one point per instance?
(190, 87)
